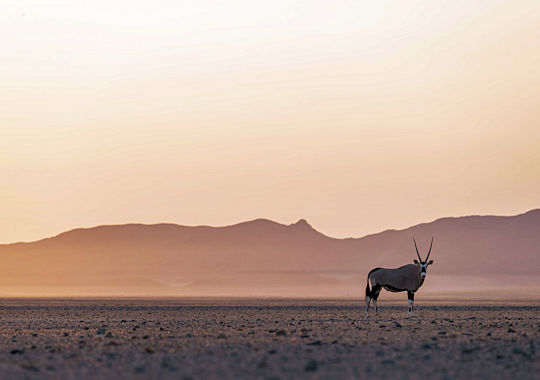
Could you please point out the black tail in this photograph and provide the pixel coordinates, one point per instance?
(368, 290)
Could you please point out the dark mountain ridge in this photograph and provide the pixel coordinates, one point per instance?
(262, 257)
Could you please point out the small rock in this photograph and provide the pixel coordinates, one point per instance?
(311, 366)
(468, 350)
(281, 333)
(315, 343)
(32, 368)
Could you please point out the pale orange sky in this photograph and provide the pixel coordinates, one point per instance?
(356, 115)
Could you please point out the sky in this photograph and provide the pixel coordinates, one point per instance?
(358, 116)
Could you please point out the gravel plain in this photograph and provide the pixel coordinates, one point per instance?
(267, 339)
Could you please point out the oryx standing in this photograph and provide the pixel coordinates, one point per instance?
(407, 278)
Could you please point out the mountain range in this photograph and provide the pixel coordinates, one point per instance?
(474, 256)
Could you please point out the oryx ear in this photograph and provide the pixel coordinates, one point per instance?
(430, 262)
(415, 261)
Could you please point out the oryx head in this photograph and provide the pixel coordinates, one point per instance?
(423, 264)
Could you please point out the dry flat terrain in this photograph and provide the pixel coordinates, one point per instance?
(225, 339)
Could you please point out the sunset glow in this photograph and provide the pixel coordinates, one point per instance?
(358, 116)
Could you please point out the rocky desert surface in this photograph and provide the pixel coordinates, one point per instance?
(266, 339)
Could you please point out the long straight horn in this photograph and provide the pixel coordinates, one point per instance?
(417, 254)
(431, 245)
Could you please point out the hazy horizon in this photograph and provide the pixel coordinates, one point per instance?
(267, 259)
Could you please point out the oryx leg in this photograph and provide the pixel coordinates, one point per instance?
(368, 300)
(410, 296)
(375, 294)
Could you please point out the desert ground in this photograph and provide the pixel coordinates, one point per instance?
(268, 339)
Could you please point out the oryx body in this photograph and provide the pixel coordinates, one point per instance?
(407, 278)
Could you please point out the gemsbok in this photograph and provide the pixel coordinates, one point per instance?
(407, 278)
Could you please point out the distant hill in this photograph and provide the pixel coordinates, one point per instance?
(475, 256)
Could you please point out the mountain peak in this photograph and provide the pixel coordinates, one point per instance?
(268, 258)
(302, 224)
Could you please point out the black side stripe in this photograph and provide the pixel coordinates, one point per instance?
(394, 289)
